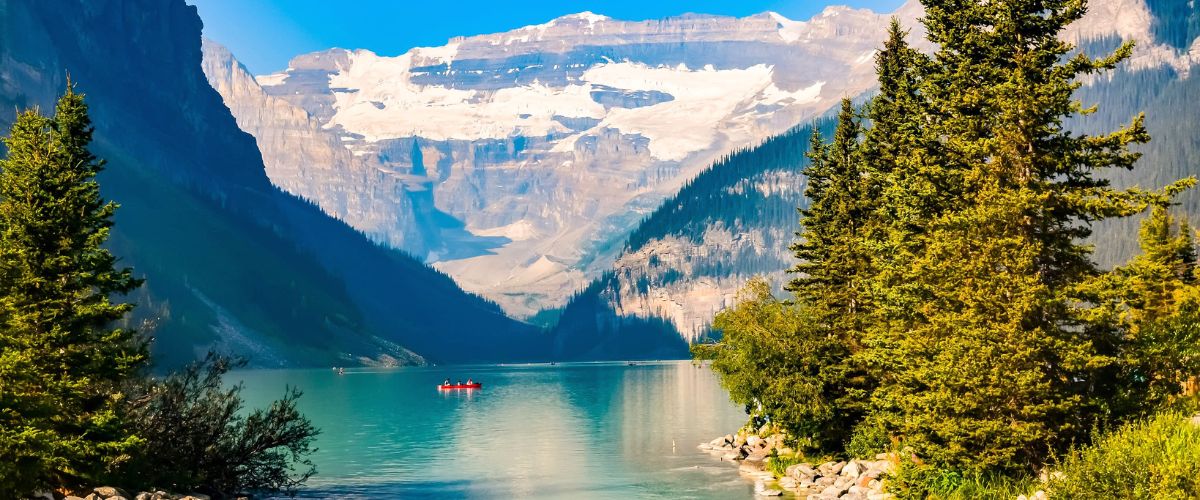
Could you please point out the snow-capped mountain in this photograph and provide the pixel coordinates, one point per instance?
(542, 147)
(687, 260)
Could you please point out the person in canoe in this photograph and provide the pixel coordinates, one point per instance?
(469, 382)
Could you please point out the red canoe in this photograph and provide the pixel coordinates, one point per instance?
(476, 385)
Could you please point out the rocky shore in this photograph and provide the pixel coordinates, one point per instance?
(112, 493)
(850, 480)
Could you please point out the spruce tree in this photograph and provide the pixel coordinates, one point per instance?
(830, 283)
(62, 360)
(1000, 368)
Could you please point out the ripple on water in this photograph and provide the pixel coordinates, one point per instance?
(589, 430)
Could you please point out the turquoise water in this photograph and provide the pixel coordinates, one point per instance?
(579, 430)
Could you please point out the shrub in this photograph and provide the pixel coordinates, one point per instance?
(921, 481)
(1156, 458)
(786, 371)
(199, 439)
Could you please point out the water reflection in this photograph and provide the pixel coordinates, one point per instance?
(591, 430)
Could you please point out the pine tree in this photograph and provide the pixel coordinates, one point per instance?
(999, 367)
(62, 360)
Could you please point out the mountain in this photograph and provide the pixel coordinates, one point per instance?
(518, 162)
(685, 261)
(230, 261)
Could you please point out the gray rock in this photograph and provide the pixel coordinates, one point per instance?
(852, 469)
(825, 481)
(731, 456)
(753, 440)
(770, 492)
(834, 491)
(802, 470)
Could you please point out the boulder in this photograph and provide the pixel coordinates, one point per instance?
(731, 456)
(831, 468)
(834, 491)
(145, 495)
(769, 492)
(881, 496)
(852, 469)
(109, 491)
(718, 442)
(787, 482)
(753, 440)
(71, 497)
(825, 481)
(758, 456)
(93, 496)
(799, 470)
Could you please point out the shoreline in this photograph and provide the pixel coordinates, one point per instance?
(854, 479)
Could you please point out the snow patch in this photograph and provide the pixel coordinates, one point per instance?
(270, 80)
(518, 231)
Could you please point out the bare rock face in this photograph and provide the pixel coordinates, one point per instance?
(307, 161)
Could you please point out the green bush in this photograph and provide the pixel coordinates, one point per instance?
(1157, 458)
(868, 439)
(785, 370)
(197, 438)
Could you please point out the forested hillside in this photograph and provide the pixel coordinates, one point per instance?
(737, 218)
(733, 221)
(230, 261)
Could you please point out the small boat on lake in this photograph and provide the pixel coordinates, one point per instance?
(474, 385)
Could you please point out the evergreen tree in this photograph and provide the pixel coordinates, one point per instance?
(62, 362)
(1151, 307)
(831, 260)
(999, 367)
(831, 276)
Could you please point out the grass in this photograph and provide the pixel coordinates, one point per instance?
(1157, 458)
(922, 481)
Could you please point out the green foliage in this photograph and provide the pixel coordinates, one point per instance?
(985, 353)
(198, 438)
(67, 419)
(62, 362)
(778, 464)
(944, 275)
(783, 367)
(1156, 458)
(918, 481)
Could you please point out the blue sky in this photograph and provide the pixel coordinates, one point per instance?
(265, 34)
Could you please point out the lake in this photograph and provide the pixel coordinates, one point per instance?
(572, 430)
